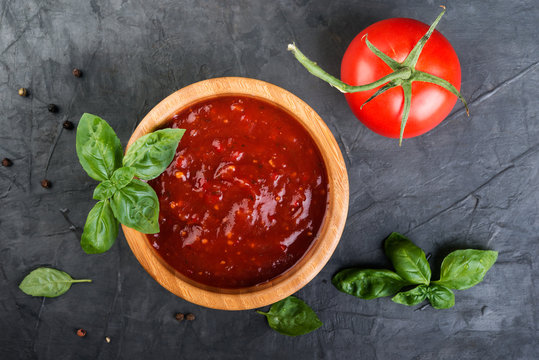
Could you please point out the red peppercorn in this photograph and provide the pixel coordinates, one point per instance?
(77, 73)
(81, 333)
(46, 183)
(179, 316)
(189, 317)
(6, 162)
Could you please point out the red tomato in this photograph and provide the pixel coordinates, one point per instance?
(430, 103)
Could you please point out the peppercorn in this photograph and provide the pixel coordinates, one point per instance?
(77, 73)
(107, 339)
(81, 333)
(68, 125)
(179, 316)
(46, 183)
(53, 108)
(23, 92)
(189, 317)
(6, 162)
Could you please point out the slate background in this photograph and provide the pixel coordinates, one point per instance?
(471, 182)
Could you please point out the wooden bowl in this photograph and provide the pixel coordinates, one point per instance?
(330, 231)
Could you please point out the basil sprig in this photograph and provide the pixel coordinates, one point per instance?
(460, 270)
(123, 198)
(47, 282)
(292, 317)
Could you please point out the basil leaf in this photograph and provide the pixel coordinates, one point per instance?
(292, 317)
(440, 297)
(136, 205)
(151, 154)
(408, 259)
(463, 269)
(122, 176)
(47, 282)
(104, 190)
(100, 230)
(368, 284)
(411, 297)
(119, 179)
(98, 148)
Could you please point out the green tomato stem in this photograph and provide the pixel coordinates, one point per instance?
(313, 68)
(413, 56)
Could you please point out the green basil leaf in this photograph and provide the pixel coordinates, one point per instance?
(368, 284)
(411, 297)
(104, 190)
(122, 177)
(292, 317)
(98, 148)
(408, 259)
(136, 205)
(101, 229)
(440, 297)
(47, 282)
(151, 154)
(463, 269)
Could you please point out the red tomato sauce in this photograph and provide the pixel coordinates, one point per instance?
(245, 195)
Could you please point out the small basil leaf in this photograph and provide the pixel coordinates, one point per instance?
(136, 205)
(98, 148)
(151, 154)
(122, 177)
(408, 259)
(104, 190)
(463, 269)
(101, 229)
(411, 297)
(440, 297)
(292, 317)
(47, 282)
(368, 284)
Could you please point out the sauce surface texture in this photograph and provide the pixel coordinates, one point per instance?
(245, 195)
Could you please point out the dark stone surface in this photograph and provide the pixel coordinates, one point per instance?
(471, 182)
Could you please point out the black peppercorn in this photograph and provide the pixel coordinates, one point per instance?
(53, 108)
(6, 162)
(189, 317)
(77, 72)
(23, 92)
(68, 125)
(179, 316)
(46, 183)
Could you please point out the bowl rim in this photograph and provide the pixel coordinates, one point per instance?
(330, 230)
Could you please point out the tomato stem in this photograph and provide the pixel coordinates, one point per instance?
(313, 68)
(403, 74)
(407, 90)
(413, 56)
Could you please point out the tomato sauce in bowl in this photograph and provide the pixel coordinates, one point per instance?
(245, 196)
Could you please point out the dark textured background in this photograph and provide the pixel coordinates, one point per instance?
(471, 182)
